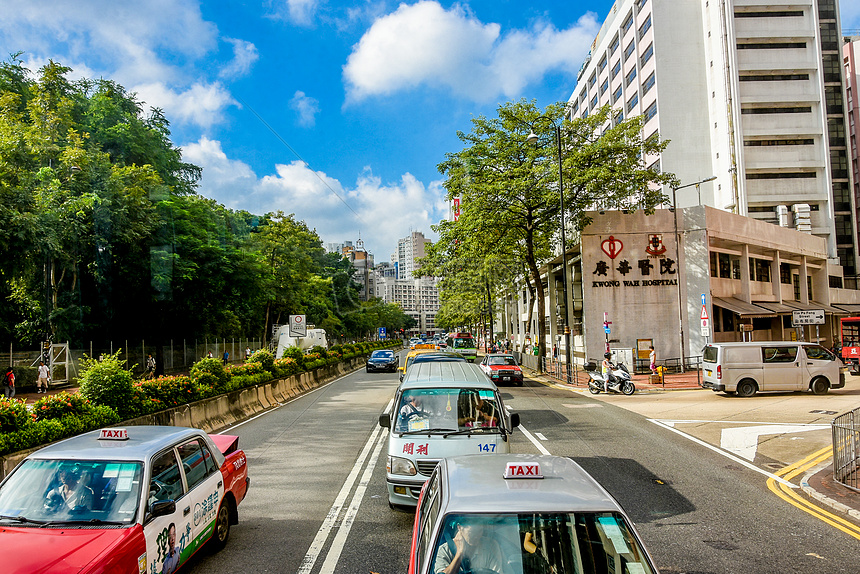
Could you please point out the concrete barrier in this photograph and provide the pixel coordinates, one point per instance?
(216, 413)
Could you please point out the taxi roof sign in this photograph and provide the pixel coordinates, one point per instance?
(523, 470)
(113, 434)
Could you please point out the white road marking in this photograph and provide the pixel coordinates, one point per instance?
(724, 453)
(743, 441)
(331, 518)
(540, 436)
(535, 442)
(340, 538)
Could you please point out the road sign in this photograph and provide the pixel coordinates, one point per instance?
(606, 330)
(809, 317)
(706, 327)
(704, 315)
(382, 331)
(298, 326)
(704, 300)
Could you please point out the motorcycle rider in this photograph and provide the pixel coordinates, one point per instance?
(606, 370)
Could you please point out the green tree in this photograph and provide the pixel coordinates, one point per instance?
(509, 189)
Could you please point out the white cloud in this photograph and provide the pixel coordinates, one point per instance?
(424, 44)
(201, 104)
(244, 56)
(306, 108)
(313, 197)
(299, 12)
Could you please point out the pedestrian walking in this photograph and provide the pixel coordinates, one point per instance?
(209, 354)
(42, 378)
(9, 383)
(150, 366)
(247, 353)
(555, 353)
(226, 357)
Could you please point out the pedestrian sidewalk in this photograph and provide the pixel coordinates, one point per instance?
(817, 485)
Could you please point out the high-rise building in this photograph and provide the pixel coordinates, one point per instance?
(851, 59)
(364, 274)
(409, 250)
(748, 91)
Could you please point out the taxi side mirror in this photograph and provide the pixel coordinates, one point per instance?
(515, 420)
(162, 508)
(385, 420)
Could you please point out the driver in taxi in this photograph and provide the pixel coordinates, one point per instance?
(469, 550)
(71, 493)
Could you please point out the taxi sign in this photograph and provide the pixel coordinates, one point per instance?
(425, 346)
(523, 470)
(113, 434)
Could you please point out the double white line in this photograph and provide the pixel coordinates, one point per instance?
(332, 519)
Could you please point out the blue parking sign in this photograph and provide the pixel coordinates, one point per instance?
(382, 331)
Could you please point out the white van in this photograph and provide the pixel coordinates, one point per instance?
(441, 409)
(313, 338)
(747, 368)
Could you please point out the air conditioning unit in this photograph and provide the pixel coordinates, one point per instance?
(783, 216)
(802, 219)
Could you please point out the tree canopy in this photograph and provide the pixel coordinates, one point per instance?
(103, 236)
(510, 204)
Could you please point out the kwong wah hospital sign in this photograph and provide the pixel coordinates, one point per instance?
(645, 266)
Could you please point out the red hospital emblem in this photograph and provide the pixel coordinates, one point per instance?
(655, 245)
(612, 247)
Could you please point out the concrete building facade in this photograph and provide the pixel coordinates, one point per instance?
(851, 60)
(749, 91)
(409, 250)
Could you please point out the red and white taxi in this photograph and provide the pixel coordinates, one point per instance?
(140, 499)
(502, 369)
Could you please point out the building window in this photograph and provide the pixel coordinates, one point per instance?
(771, 14)
(809, 288)
(785, 273)
(725, 264)
(602, 65)
(646, 55)
(604, 87)
(844, 229)
(593, 103)
(832, 67)
(780, 110)
(795, 281)
(766, 143)
(783, 175)
(714, 268)
(772, 77)
(648, 84)
(631, 75)
(838, 164)
(574, 107)
(615, 69)
(627, 23)
(614, 45)
(645, 26)
(833, 98)
(836, 132)
(629, 50)
(841, 197)
(829, 37)
(759, 270)
(651, 111)
(631, 103)
(617, 95)
(655, 167)
(771, 45)
(592, 80)
(834, 281)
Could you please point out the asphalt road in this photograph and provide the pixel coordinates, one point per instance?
(318, 502)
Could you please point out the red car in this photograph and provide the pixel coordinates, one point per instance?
(133, 500)
(502, 368)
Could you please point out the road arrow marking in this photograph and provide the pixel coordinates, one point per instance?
(743, 441)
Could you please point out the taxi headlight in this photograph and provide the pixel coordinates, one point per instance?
(397, 465)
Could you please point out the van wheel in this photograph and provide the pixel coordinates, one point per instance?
(820, 386)
(746, 388)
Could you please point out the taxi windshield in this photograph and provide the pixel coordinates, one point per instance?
(72, 491)
(447, 409)
(502, 361)
(541, 543)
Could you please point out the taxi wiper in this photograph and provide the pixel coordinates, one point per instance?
(471, 430)
(425, 431)
(89, 521)
(22, 519)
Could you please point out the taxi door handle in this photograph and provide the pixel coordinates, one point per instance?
(220, 483)
(186, 511)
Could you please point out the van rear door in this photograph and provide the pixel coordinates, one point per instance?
(782, 370)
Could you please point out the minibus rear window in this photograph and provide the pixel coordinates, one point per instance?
(710, 354)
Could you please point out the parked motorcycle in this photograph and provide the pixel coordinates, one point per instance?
(622, 382)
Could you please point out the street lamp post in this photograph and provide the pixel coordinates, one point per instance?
(532, 139)
(678, 255)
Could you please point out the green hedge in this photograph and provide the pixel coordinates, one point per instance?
(109, 394)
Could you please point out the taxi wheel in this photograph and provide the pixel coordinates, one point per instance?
(222, 527)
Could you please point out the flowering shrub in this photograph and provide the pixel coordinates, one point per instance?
(170, 391)
(60, 405)
(246, 369)
(312, 361)
(286, 367)
(293, 353)
(49, 430)
(319, 350)
(13, 414)
(263, 357)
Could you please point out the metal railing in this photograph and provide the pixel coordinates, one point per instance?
(846, 449)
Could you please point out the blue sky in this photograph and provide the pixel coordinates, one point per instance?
(370, 94)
